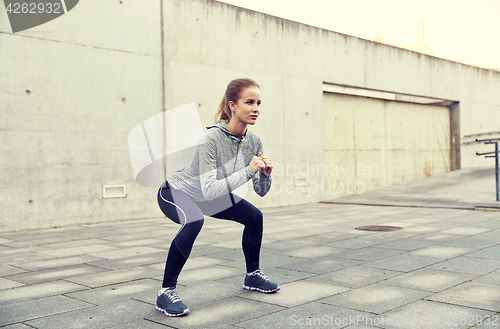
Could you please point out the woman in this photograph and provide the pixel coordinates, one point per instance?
(227, 156)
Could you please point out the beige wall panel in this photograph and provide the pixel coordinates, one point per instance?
(68, 136)
(302, 139)
(214, 33)
(131, 26)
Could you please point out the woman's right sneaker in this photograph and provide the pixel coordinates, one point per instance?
(258, 281)
(169, 303)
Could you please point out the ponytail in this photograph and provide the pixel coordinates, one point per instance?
(233, 93)
(223, 113)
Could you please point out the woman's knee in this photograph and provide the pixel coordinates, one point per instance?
(256, 217)
(199, 223)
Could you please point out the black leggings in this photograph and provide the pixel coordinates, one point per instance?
(181, 209)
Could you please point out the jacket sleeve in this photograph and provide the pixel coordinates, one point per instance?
(261, 182)
(211, 186)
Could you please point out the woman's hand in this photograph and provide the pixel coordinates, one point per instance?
(256, 164)
(268, 165)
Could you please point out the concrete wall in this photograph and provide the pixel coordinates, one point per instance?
(105, 67)
(92, 75)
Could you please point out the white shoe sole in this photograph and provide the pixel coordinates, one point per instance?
(261, 290)
(185, 312)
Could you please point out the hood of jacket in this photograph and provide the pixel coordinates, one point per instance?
(222, 125)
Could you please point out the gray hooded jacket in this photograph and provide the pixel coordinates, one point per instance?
(221, 165)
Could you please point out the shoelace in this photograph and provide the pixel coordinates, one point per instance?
(172, 295)
(261, 275)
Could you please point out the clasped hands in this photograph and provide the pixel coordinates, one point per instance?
(262, 163)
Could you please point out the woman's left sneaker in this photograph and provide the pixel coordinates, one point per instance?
(169, 303)
(258, 281)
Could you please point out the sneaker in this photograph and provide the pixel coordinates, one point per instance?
(258, 281)
(169, 303)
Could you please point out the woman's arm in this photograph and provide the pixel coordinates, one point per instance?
(262, 182)
(212, 187)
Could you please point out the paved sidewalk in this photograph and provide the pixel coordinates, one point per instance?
(442, 270)
(461, 189)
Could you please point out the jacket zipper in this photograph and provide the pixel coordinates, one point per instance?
(236, 158)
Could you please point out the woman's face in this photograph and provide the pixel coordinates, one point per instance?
(247, 108)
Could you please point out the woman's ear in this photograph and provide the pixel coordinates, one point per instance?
(231, 105)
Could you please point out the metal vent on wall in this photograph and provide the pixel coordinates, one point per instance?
(113, 191)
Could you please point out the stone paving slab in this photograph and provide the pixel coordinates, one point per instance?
(404, 262)
(296, 293)
(429, 280)
(117, 238)
(289, 244)
(369, 253)
(405, 244)
(469, 265)
(471, 294)
(310, 315)
(17, 326)
(143, 242)
(113, 277)
(146, 261)
(195, 263)
(126, 252)
(14, 257)
(426, 315)
(376, 298)
(8, 284)
(23, 311)
(80, 250)
(55, 274)
(35, 241)
(143, 290)
(74, 243)
(57, 262)
(200, 293)
(357, 243)
(279, 275)
(489, 253)
(268, 258)
(200, 249)
(434, 237)
(321, 265)
(312, 252)
(142, 324)
(209, 273)
(475, 241)
(491, 278)
(35, 291)
(217, 315)
(489, 321)
(465, 230)
(101, 316)
(355, 277)
(9, 270)
(444, 252)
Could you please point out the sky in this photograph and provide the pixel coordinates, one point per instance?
(465, 31)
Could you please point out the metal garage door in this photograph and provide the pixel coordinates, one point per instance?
(371, 143)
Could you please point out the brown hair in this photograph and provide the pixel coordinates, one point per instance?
(233, 93)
